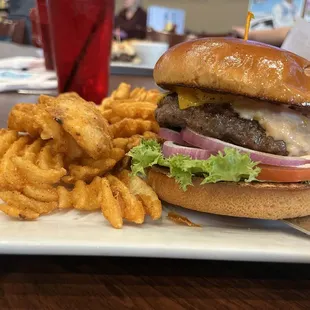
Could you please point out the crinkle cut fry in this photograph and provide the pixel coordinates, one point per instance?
(135, 110)
(34, 174)
(88, 168)
(97, 195)
(36, 121)
(7, 138)
(133, 210)
(84, 122)
(16, 199)
(130, 127)
(131, 103)
(21, 119)
(22, 214)
(128, 143)
(143, 192)
(30, 165)
(10, 178)
(88, 172)
(110, 207)
(39, 193)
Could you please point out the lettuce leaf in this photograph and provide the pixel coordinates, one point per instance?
(146, 154)
(230, 166)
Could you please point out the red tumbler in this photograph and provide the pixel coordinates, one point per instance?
(81, 34)
(45, 34)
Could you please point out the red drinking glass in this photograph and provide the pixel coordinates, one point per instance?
(45, 34)
(81, 34)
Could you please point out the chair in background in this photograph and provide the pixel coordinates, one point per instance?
(12, 31)
(170, 38)
(215, 35)
(173, 39)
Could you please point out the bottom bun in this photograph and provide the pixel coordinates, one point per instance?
(253, 200)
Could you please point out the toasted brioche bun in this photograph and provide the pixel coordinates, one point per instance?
(252, 200)
(238, 67)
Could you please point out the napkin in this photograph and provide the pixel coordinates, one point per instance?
(21, 63)
(298, 39)
(25, 73)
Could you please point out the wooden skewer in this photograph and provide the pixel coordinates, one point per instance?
(250, 16)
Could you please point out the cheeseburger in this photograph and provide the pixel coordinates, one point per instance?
(236, 125)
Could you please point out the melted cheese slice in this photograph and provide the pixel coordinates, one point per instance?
(191, 97)
(279, 122)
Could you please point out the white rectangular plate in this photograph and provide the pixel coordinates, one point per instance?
(220, 238)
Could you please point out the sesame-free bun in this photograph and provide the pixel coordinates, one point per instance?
(238, 67)
(252, 200)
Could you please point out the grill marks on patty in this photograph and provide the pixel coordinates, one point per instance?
(218, 121)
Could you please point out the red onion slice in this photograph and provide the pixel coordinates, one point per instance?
(170, 149)
(214, 145)
(171, 135)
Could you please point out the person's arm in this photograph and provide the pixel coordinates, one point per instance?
(269, 36)
(272, 36)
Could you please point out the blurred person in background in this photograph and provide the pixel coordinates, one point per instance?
(19, 9)
(284, 13)
(269, 36)
(130, 23)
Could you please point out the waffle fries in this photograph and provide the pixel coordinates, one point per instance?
(130, 112)
(65, 153)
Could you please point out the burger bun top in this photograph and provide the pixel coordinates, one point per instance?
(237, 67)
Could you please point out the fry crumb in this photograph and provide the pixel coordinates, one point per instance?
(179, 219)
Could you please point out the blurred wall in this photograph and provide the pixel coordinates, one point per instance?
(205, 15)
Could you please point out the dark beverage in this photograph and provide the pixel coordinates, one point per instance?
(45, 34)
(81, 34)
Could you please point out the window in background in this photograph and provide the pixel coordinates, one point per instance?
(3, 9)
(166, 19)
(275, 13)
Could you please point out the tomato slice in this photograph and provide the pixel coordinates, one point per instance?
(283, 174)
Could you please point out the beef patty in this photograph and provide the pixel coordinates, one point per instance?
(218, 121)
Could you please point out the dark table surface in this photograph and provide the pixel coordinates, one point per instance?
(29, 282)
(38, 282)
(7, 100)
